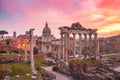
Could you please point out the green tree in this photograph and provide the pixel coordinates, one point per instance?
(8, 41)
(3, 32)
(35, 50)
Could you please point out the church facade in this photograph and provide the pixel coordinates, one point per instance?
(45, 40)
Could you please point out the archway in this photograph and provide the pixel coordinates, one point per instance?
(14, 51)
(3, 52)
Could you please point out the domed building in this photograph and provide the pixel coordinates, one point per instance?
(45, 41)
(46, 31)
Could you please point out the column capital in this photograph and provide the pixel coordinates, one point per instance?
(74, 33)
(90, 34)
(85, 34)
(61, 33)
(95, 34)
(67, 33)
(79, 34)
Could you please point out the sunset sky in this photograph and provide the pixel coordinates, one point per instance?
(21, 15)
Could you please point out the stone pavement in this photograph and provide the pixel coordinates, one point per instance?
(59, 76)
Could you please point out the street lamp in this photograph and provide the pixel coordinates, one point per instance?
(31, 51)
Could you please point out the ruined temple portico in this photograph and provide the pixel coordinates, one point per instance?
(77, 29)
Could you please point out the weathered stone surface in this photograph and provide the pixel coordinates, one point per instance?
(92, 71)
(64, 67)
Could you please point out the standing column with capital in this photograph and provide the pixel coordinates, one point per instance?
(85, 44)
(74, 45)
(31, 52)
(65, 48)
(61, 54)
(26, 49)
(80, 46)
(90, 44)
(96, 45)
(68, 45)
(85, 40)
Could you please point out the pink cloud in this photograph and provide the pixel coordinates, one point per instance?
(90, 13)
(111, 4)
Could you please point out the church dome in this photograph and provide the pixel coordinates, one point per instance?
(46, 29)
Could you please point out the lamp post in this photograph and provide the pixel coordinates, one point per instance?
(31, 52)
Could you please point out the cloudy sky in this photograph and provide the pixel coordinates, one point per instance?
(21, 15)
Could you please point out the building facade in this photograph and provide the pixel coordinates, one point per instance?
(45, 41)
(23, 40)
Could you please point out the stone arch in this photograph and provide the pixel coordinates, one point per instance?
(14, 51)
(3, 51)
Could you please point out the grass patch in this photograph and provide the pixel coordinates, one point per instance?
(14, 69)
(20, 69)
(5, 66)
(5, 69)
(39, 63)
(88, 60)
(20, 78)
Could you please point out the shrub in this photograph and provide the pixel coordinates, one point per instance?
(117, 77)
(55, 68)
(93, 58)
(49, 55)
(100, 56)
(50, 63)
(35, 49)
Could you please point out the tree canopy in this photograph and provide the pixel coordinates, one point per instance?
(2, 32)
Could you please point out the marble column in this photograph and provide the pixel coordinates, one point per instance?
(85, 44)
(74, 45)
(85, 40)
(26, 49)
(31, 52)
(80, 46)
(63, 47)
(66, 48)
(90, 45)
(61, 53)
(96, 45)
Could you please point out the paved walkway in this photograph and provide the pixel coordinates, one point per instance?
(59, 76)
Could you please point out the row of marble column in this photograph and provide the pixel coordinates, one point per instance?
(65, 45)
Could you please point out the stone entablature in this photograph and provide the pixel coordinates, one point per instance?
(76, 28)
